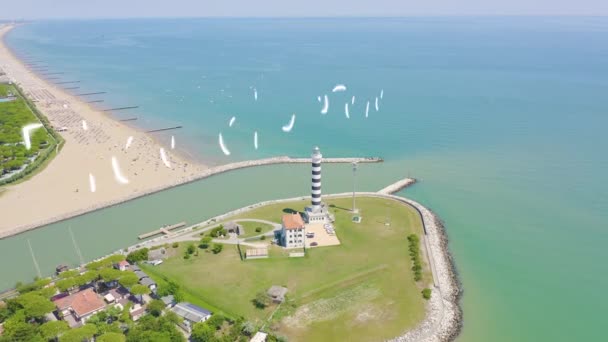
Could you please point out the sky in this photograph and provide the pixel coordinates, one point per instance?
(38, 9)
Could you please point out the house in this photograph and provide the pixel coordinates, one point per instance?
(277, 293)
(191, 313)
(259, 337)
(122, 265)
(168, 300)
(233, 227)
(151, 284)
(157, 254)
(292, 231)
(79, 306)
(136, 311)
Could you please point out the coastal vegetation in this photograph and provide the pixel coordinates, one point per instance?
(360, 290)
(414, 248)
(17, 162)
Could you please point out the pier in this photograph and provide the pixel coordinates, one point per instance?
(85, 94)
(52, 73)
(70, 88)
(120, 108)
(128, 119)
(53, 78)
(163, 129)
(67, 82)
(164, 230)
(94, 101)
(397, 186)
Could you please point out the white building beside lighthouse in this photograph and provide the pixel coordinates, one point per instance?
(317, 212)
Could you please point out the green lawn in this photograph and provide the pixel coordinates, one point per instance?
(250, 227)
(361, 290)
(13, 154)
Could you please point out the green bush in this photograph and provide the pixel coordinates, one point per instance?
(426, 293)
(205, 242)
(414, 248)
(138, 255)
(175, 245)
(258, 229)
(190, 249)
(217, 248)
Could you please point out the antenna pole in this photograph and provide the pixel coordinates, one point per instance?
(34, 259)
(76, 246)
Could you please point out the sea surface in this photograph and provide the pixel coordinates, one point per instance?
(503, 121)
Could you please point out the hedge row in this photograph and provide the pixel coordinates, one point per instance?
(414, 248)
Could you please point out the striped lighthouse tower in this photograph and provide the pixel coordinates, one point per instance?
(316, 179)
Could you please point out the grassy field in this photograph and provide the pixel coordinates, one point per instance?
(13, 154)
(250, 227)
(362, 290)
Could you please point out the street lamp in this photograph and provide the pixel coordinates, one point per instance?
(354, 164)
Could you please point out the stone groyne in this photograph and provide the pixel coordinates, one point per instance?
(201, 175)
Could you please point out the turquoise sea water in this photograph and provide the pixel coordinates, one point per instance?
(502, 119)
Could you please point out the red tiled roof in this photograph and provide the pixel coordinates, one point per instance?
(123, 263)
(82, 302)
(293, 221)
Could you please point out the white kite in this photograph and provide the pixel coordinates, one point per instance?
(120, 178)
(287, 128)
(352, 100)
(377, 108)
(325, 105)
(255, 94)
(163, 157)
(339, 87)
(346, 110)
(84, 125)
(223, 146)
(319, 99)
(26, 133)
(367, 109)
(255, 140)
(381, 94)
(232, 119)
(92, 184)
(172, 142)
(129, 142)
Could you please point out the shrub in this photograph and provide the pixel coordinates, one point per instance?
(175, 245)
(217, 248)
(205, 241)
(138, 255)
(258, 229)
(263, 237)
(414, 248)
(191, 249)
(261, 300)
(426, 293)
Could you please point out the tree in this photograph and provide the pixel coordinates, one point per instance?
(65, 284)
(52, 329)
(261, 300)
(258, 229)
(138, 255)
(35, 306)
(85, 332)
(109, 274)
(139, 290)
(248, 328)
(16, 329)
(216, 321)
(217, 248)
(156, 307)
(68, 274)
(190, 249)
(202, 332)
(128, 279)
(205, 242)
(111, 337)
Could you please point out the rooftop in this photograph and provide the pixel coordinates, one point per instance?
(293, 221)
(82, 302)
(191, 312)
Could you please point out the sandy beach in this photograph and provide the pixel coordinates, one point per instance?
(63, 186)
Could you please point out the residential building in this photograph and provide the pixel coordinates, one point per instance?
(259, 337)
(191, 313)
(168, 300)
(78, 307)
(122, 265)
(136, 311)
(293, 231)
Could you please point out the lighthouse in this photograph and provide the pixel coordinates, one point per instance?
(317, 212)
(315, 191)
